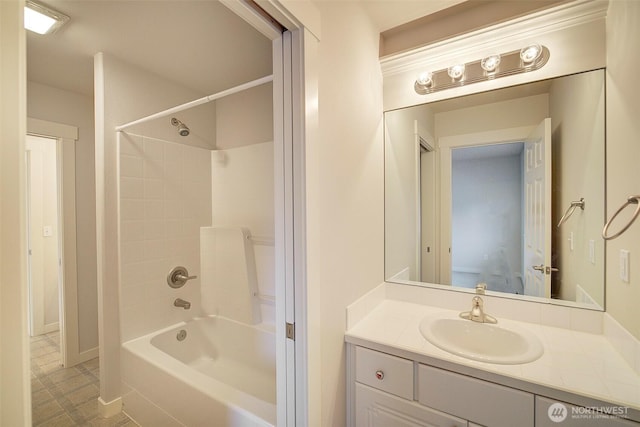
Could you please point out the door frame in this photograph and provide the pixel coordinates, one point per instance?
(66, 137)
(445, 145)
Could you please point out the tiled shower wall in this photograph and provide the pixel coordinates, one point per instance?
(165, 197)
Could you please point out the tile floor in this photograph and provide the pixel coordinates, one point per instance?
(65, 396)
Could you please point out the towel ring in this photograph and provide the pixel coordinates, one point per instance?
(631, 200)
(570, 210)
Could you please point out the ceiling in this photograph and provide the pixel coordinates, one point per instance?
(200, 44)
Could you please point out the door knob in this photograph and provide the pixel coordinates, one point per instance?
(538, 267)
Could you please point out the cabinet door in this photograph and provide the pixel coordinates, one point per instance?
(379, 409)
(551, 413)
(479, 401)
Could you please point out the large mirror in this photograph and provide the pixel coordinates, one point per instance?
(505, 188)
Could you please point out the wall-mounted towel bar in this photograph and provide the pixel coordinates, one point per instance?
(570, 210)
(631, 200)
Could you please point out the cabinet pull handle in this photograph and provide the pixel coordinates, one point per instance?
(380, 375)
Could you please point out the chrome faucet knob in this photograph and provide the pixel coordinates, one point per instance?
(178, 276)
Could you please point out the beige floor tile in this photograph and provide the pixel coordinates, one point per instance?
(92, 364)
(49, 368)
(84, 394)
(47, 358)
(40, 397)
(72, 384)
(46, 411)
(89, 410)
(110, 422)
(63, 375)
(36, 385)
(62, 420)
(36, 353)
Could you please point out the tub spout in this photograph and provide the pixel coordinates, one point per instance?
(179, 302)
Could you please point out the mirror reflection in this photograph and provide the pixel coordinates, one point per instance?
(504, 187)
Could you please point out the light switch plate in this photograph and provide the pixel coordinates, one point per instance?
(624, 265)
(47, 231)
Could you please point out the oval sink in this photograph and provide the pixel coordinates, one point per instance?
(483, 342)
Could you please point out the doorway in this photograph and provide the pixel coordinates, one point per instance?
(44, 255)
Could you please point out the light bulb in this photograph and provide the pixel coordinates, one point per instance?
(490, 63)
(530, 53)
(425, 79)
(456, 71)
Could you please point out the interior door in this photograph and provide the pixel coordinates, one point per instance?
(537, 211)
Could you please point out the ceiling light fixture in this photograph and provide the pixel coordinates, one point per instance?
(529, 58)
(42, 20)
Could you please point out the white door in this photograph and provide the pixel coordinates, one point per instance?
(537, 211)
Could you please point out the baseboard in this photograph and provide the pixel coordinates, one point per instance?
(92, 353)
(109, 409)
(51, 327)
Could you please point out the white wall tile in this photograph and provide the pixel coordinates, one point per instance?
(131, 188)
(156, 234)
(131, 166)
(153, 189)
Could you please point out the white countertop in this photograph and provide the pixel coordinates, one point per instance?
(578, 363)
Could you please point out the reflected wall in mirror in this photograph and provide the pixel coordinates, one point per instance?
(476, 186)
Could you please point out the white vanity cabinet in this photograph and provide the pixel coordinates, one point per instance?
(386, 390)
(391, 391)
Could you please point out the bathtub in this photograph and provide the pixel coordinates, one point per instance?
(209, 371)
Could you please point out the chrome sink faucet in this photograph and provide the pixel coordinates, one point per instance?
(179, 302)
(477, 313)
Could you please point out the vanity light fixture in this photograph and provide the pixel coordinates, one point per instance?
(529, 58)
(41, 19)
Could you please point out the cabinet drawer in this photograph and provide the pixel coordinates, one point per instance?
(385, 372)
(475, 400)
(550, 413)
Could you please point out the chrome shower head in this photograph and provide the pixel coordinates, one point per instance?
(183, 130)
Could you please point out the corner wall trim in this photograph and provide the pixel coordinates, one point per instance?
(109, 409)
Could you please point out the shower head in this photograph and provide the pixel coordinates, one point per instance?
(183, 130)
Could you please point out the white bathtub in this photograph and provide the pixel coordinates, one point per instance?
(221, 374)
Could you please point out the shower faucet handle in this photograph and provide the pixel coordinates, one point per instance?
(178, 277)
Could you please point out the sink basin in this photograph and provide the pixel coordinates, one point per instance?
(501, 344)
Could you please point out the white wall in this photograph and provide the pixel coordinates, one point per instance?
(15, 393)
(61, 106)
(623, 152)
(165, 197)
(576, 105)
(243, 196)
(401, 172)
(245, 118)
(486, 221)
(344, 192)
(518, 112)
